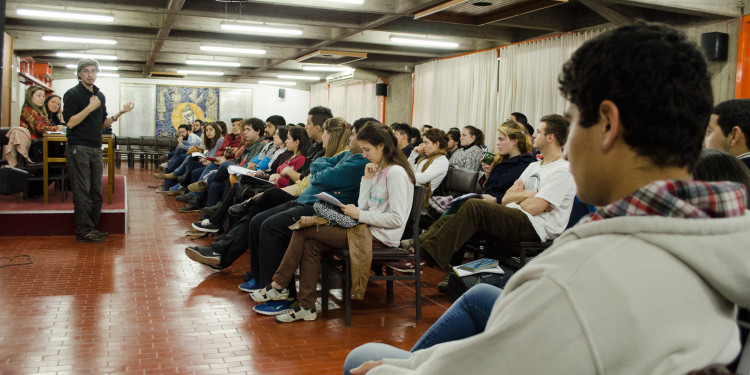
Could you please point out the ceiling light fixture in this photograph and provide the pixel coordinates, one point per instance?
(277, 83)
(76, 55)
(420, 42)
(212, 63)
(101, 67)
(305, 78)
(54, 15)
(53, 38)
(200, 72)
(325, 68)
(248, 51)
(279, 31)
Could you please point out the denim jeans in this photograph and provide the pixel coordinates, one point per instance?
(465, 318)
(85, 168)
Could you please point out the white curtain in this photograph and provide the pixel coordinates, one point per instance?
(528, 76)
(481, 90)
(319, 95)
(355, 100)
(456, 92)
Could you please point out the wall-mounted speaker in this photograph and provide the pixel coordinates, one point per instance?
(715, 46)
(381, 89)
(282, 93)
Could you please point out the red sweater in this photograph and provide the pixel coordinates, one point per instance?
(295, 162)
(230, 140)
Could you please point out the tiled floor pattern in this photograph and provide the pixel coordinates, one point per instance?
(137, 305)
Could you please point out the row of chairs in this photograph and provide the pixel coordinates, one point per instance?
(17, 182)
(147, 149)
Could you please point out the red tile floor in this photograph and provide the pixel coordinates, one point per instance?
(137, 305)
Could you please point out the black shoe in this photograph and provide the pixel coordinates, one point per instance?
(205, 225)
(210, 211)
(91, 237)
(241, 209)
(443, 285)
(190, 208)
(203, 255)
(100, 233)
(187, 198)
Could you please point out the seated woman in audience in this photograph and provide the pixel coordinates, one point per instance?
(469, 154)
(428, 160)
(298, 143)
(717, 165)
(263, 161)
(53, 105)
(385, 198)
(33, 115)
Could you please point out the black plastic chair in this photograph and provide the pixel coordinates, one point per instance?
(338, 261)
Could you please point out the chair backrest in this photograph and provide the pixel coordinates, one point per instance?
(4, 136)
(580, 209)
(164, 143)
(416, 207)
(743, 365)
(148, 142)
(461, 181)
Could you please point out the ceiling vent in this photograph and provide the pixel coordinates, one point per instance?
(332, 57)
(351, 76)
(477, 13)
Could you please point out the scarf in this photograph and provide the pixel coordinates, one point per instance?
(430, 158)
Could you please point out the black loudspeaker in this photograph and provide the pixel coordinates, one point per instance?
(282, 93)
(715, 46)
(381, 89)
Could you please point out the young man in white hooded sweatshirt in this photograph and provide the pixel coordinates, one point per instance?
(650, 284)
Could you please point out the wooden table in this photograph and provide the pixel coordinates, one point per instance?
(108, 139)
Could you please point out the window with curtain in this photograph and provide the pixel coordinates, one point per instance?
(528, 76)
(353, 101)
(319, 95)
(482, 90)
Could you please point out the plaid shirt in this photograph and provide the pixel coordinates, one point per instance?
(681, 199)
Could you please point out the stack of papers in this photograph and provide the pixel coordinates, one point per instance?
(237, 170)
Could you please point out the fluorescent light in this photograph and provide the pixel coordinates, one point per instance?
(260, 29)
(212, 63)
(249, 51)
(277, 83)
(306, 78)
(347, 1)
(417, 42)
(108, 75)
(101, 67)
(53, 38)
(325, 68)
(86, 55)
(200, 72)
(48, 14)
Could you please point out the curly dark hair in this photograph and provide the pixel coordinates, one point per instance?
(320, 115)
(437, 136)
(659, 82)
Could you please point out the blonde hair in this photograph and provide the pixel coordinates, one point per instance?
(29, 103)
(514, 130)
(339, 131)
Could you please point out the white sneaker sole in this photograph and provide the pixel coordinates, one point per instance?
(288, 318)
(204, 230)
(198, 257)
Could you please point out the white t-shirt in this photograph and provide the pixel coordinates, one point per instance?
(553, 183)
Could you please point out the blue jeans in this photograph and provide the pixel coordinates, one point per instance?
(175, 162)
(465, 318)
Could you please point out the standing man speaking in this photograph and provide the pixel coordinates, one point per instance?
(86, 116)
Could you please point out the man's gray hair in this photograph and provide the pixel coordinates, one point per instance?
(82, 63)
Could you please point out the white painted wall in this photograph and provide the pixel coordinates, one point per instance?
(266, 102)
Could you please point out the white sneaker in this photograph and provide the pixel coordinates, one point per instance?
(299, 313)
